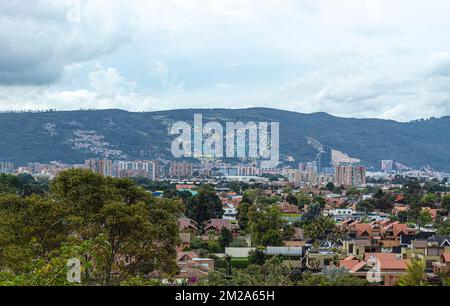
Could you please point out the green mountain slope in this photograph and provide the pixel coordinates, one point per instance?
(74, 136)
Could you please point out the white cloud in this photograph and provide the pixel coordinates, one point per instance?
(38, 40)
(108, 82)
(160, 71)
(222, 85)
(359, 58)
(107, 89)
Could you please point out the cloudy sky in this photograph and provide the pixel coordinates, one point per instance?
(354, 58)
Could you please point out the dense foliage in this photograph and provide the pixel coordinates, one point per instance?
(118, 231)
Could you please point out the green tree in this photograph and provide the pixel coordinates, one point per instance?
(226, 237)
(330, 187)
(250, 196)
(303, 199)
(266, 225)
(353, 192)
(429, 200)
(272, 237)
(238, 243)
(291, 199)
(412, 186)
(446, 202)
(271, 273)
(415, 275)
(214, 246)
(424, 218)
(335, 278)
(442, 226)
(117, 229)
(257, 257)
(367, 205)
(242, 216)
(314, 211)
(320, 200)
(204, 206)
(320, 228)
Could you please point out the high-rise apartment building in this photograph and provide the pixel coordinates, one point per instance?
(324, 160)
(350, 176)
(181, 169)
(6, 167)
(387, 165)
(144, 168)
(102, 166)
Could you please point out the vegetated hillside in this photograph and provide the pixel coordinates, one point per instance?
(74, 136)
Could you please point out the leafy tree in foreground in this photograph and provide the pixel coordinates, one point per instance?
(117, 229)
(271, 273)
(415, 275)
(337, 278)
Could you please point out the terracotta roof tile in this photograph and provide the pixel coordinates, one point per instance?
(397, 264)
(446, 257)
(400, 228)
(363, 228)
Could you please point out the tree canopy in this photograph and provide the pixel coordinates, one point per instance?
(115, 228)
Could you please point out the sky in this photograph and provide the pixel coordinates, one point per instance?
(386, 59)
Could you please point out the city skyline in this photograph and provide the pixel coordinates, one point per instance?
(215, 150)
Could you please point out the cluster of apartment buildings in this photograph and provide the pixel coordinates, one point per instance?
(140, 168)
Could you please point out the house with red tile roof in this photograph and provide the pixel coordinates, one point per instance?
(387, 267)
(287, 208)
(216, 226)
(442, 267)
(396, 229)
(189, 187)
(191, 267)
(363, 230)
(188, 225)
(400, 209)
(352, 265)
(185, 241)
(399, 229)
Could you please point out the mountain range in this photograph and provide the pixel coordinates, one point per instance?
(73, 136)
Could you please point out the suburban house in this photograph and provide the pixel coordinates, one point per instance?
(384, 268)
(442, 267)
(192, 268)
(289, 209)
(215, 226)
(360, 246)
(185, 241)
(230, 212)
(390, 266)
(429, 250)
(188, 226)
